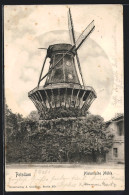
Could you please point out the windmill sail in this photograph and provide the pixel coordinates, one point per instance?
(72, 36)
(71, 28)
(85, 34)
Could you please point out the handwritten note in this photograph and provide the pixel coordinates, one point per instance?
(64, 178)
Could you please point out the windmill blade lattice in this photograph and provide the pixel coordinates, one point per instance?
(71, 28)
(72, 35)
(85, 34)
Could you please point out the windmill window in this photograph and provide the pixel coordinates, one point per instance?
(70, 76)
(68, 63)
(120, 128)
(115, 152)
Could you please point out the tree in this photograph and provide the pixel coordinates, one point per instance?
(96, 140)
(34, 116)
(12, 122)
(17, 131)
(79, 139)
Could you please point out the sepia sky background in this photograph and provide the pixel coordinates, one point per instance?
(28, 27)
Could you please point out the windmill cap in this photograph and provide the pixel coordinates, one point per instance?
(62, 48)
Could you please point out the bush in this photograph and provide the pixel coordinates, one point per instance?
(62, 139)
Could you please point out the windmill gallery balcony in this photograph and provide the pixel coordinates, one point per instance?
(58, 95)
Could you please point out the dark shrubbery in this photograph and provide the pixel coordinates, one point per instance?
(60, 112)
(65, 139)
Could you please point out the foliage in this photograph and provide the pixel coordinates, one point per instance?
(59, 112)
(64, 139)
(12, 122)
(33, 116)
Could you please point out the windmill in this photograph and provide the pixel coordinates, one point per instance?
(62, 86)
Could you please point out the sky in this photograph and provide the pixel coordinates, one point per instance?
(28, 27)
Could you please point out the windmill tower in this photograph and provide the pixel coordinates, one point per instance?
(62, 87)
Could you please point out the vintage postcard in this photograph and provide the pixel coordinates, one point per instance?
(64, 100)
